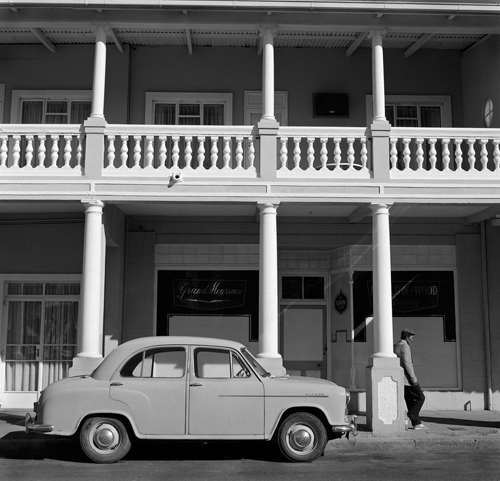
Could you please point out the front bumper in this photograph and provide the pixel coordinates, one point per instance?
(351, 428)
(30, 424)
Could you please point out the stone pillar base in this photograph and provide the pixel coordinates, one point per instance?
(84, 365)
(274, 365)
(385, 405)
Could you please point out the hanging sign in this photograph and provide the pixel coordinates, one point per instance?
(341, 302)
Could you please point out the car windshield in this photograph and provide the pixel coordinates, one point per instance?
(254, 363)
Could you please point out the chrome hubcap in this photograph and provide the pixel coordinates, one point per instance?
(105, 437)
(301, 438)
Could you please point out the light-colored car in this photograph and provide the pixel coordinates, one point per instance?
(190, 388)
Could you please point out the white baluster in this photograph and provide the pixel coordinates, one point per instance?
(201, 152)
(446, 155)
(67, 150)
(484, 155)
(251, 152)
(124, 151)
(188, 151)
(239, 152)
(3, 150)
(458, 154)
(496, 154)
(54, 151)
(406, 153)
(226, 152)
(350, 153)
(471, 154)
(364, 153)
(214, 152)
(79, 151)
(16, 150)
(310, 153)
(149, 152)
(41, 151)
(111, 151)
(432, 153)
(175, 152)
(162, 152)
(29, 151)
(419, 153)
(323, 153)
(283, 152)
(137, 151)
(296, 153)
(337, 153)
(393, 152)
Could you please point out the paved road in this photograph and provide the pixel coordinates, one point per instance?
(243, 461)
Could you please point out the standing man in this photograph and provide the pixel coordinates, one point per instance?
(414, 397)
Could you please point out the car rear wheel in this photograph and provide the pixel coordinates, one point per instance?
(104, 440)
(302, 437)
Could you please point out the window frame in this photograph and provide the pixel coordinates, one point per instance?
(18, 96)
(2, 101)
(177, 98)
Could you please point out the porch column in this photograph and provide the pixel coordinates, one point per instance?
(380, 127)
(384, 385)
(99, 74)
(90, 327)
(269, 356)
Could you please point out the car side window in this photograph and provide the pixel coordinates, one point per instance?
(218, 364)
(156, 363)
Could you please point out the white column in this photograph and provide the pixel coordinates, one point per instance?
(90, 325)
(268, 282)
(267, 74)
(382, 288)
(99, 74)
(378, 75)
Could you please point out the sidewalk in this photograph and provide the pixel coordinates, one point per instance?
(446, 429)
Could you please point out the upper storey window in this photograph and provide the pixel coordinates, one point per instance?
(413, 115)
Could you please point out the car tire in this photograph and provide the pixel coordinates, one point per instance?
(104, 440)
(302, 438)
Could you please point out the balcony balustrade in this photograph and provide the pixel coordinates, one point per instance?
(302, 153)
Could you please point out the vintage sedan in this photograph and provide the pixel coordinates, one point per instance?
(190, 388)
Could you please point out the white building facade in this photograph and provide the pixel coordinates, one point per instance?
(306, 179)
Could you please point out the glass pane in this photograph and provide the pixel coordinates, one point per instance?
(57, 106)
(430, 116)
(56, 119)
(213, 115)
(189, 121)
(59, 353)
(21, 376)
(291, 287)
(32, 112)
(164, 114)
(389, 114)
(61, 322)
(80, 111)
(53, 371)
(21, 353)
(189, 109)
(314, 287)
(33, 289)
(169, 363)
(239, 370)
(23, 324)
(62, 289)
(407, 112)
(14, 288)
(212, 364)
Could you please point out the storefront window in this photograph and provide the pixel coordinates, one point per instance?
(298, 287)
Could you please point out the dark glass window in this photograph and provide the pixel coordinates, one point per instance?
(307, 287)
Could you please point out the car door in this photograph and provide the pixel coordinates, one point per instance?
(152, 383)
(226, 397)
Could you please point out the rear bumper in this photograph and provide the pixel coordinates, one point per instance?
(30, 424)
(351, 428)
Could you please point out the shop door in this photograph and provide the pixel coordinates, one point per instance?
(39, 347)
(303, 340)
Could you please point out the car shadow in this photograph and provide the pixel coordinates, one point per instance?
(461, 422)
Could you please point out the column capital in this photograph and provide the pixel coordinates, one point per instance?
(268, 207)
(93, 205)
(272, 29)
(377, 31)
(380, 208)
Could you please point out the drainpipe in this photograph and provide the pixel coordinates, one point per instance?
(486, 310)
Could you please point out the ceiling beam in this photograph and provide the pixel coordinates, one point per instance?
(484, 214)
(354, 45)
(41, 36)
(418, 44)
(478, 42)
(359, 214)
(116, 40)
(189, 41)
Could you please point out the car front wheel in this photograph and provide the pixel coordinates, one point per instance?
(302, 437)
(104, 440)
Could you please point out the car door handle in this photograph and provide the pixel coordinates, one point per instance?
(116, 384)
(196, 384)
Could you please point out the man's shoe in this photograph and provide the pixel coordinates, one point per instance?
(420, 426)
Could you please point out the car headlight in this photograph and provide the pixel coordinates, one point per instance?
(347, 396)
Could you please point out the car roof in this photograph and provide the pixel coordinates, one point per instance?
(108, 366)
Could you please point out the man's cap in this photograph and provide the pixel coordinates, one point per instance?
(406, 333)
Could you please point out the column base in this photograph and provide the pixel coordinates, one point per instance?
(385, 404)
(84, 365)
(274, 365)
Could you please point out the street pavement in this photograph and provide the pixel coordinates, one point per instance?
(458, 430)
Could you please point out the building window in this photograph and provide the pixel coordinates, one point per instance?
(302, 287)
(188, 108)
(2, 94)
(488, 112)
(50, 106)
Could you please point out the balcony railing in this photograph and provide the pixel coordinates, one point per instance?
(332, 153)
